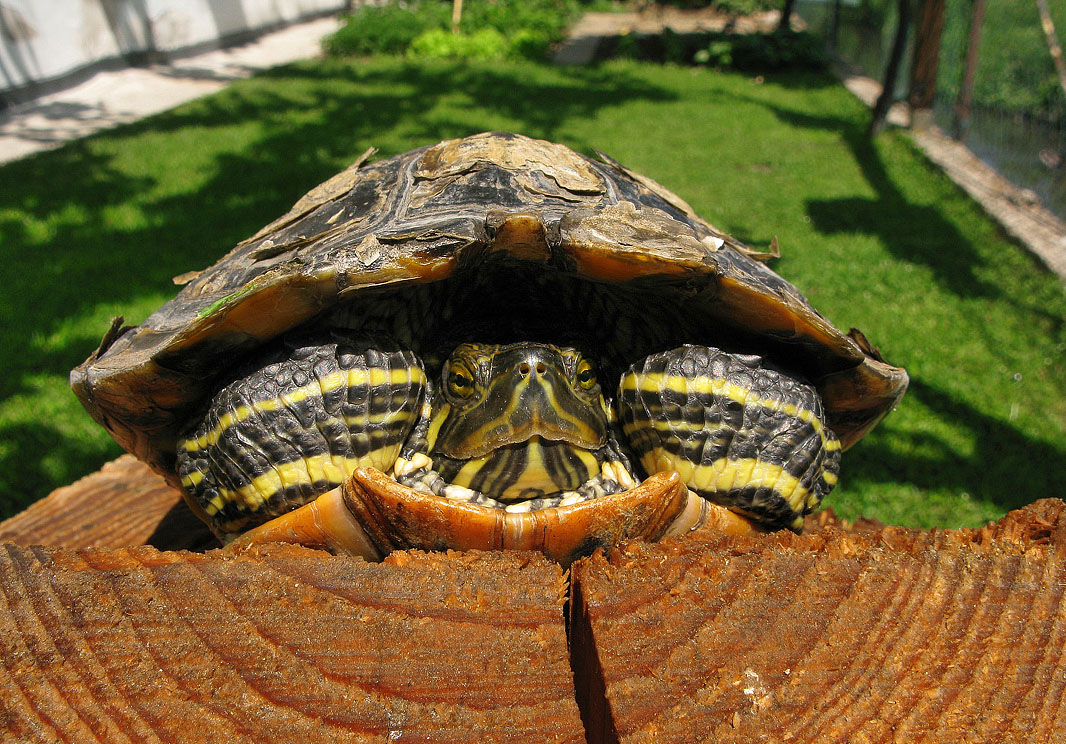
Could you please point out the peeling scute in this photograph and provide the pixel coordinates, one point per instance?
(520, 155)
(622, 242)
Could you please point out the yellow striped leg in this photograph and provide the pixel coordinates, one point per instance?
(740, 433)
(296, 425)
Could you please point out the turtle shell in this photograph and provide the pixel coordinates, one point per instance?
(494, 235)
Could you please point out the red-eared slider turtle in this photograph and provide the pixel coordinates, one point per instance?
(490, 342)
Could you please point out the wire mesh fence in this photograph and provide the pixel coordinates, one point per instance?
(1014, 117)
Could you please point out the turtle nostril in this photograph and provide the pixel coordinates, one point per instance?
(541, 369)
(523, 369)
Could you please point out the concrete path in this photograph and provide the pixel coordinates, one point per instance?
(111, 98)
(585, 35)
(1018, 211)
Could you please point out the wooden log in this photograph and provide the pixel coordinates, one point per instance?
(124, 503)
(887, 636)
(285, 645)
(870, 634)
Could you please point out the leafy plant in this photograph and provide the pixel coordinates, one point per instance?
(745, 7)
(486, 44)
(628, 46)
(530, 43)
(385, 29)
(788, 50)
(674, 50)
(715, 54)
(527, 29)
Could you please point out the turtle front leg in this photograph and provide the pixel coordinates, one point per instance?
(741, 433)
(295, 424)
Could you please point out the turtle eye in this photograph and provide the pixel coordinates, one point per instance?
(460, 383)
(585, 376)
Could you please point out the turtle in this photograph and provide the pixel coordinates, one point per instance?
(489, 342)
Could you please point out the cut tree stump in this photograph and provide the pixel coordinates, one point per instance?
(288, 645)
(872, 634)
(124, 503)
(890, 636)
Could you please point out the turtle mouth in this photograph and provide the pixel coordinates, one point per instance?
(522, 477)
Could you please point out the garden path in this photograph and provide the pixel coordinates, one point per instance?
(111, 98)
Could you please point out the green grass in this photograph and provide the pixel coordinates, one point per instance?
(1015, 71)
(873, 235)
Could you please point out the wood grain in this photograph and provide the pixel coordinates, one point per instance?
(285, 645)
(124, 503)
(886, 636)
(864, 634)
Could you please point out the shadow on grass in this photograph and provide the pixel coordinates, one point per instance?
(67, 248)
(1007, 466)
(912, 232)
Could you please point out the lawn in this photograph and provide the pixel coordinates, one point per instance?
(875, 237)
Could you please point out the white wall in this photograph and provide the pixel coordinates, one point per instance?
(44, 40)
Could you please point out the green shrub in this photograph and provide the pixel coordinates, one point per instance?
(628, 46)
(486, 44)
(549, 18)
(388, 29)
(745, 7)
(777, 51)
(531, 43)
(674, 50)
(528, 29)
(766, 52)
(715, 54)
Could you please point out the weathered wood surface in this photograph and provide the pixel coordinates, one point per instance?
(889, 636)
(124, 503)
(288, 645)
(876, 634)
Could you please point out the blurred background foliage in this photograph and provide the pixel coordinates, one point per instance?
(515, 29)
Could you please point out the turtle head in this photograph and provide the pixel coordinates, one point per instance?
(498, 395)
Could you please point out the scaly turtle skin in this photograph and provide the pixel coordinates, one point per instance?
(490, 342)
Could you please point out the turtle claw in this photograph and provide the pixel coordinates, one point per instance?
(323, 523)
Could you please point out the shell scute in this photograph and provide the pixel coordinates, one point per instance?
(526, 158)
